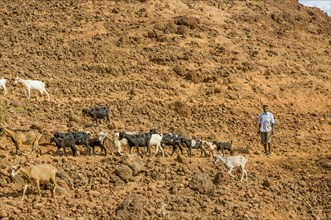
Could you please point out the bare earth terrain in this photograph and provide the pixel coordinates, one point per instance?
(196, 68)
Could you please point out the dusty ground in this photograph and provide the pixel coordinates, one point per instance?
(198, 68)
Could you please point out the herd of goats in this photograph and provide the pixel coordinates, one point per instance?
(46, 173)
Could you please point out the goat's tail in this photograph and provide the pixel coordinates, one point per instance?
(66, 178)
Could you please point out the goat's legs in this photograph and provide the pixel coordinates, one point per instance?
(139, 151)
(88, 149)
(4, 89)
(29, 93)
(161, 150)
(24, 191)
(18, 147)
(230, 171)
(74, 151)
(48, 97)
(244, 173)
(180, 148)
(157, 149)
(203, 152)
(35, 147)
(174, 147)
(149, 150)
(103, 149)
(65, 152)
(190, 151)
(38, 187)
(55, 185)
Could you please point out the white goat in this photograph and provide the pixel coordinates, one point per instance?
(41, 173)
(3, 85)
(33, 84)
(232, 162)
(156, 141)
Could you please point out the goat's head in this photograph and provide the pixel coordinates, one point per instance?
(15, 169)
(217, 157)
(121, 135)
(153, 131)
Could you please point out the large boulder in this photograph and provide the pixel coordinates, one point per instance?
(124, 172)
(202, 183)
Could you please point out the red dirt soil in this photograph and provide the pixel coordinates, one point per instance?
(197, 68)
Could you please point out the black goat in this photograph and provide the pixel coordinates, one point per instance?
(93, 142)
(194, 143)
(137, 140)
(173, 140)
(224, 146)
(97, 113)
(67, 141)
(80, 137)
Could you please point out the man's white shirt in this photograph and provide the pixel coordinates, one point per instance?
(265, 120)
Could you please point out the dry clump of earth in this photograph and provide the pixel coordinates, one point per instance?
(196, 68)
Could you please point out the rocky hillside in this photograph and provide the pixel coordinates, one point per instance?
(197, 68)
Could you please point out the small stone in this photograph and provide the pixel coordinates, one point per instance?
(267, 183)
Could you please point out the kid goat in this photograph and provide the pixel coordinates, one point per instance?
(33, 84)
(232, 162)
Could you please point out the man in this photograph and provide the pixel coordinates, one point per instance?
(266, 129)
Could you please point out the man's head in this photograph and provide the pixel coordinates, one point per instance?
(265, 107)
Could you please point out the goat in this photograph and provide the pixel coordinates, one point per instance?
(99, 141)
(97, 113)
(232, 162)
(136, 140)
(41, 173)
(194, 143)
(209, 147)
(119, 144)
(81, 138)
(3, 85)
(173, 140)
(67, 141)
(155, 140)
(20, 137)
(224, 146)
(33, 84)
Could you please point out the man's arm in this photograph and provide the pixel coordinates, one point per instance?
(259, 124)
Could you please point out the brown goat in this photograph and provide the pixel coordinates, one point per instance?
(20, 137)
(41, 173)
